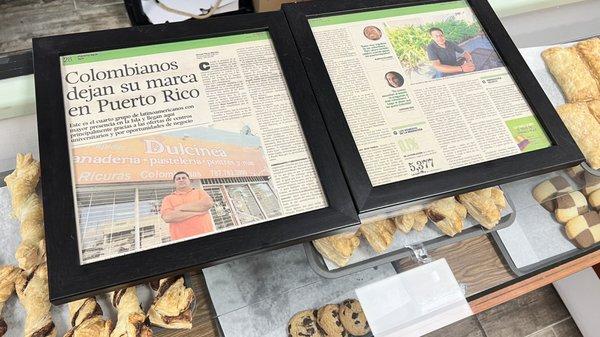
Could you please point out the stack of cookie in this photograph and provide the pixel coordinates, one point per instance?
(331, 320)
(577, 72)
(571, 208)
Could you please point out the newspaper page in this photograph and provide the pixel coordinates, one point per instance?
(423, 90)
(180, 140)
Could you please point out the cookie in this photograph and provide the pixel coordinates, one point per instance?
(584, 229)
(328, 320)
(545, 192)
(594, 199)
(304, 324)
(592, 183)
(353, 318)
(569, 206)
(576, 173)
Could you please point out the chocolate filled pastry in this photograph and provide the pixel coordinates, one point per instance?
(569, 206)
(86, 319)
(32, 290)
(590, 52)
(484, 206)
(545, 193)
(571, 73)
(584, 229)
(338, 248)
(414, 220)
(131, 320)
(448, 215)
(8, 276)
(379, 234)
(172, 306)
(585, 130)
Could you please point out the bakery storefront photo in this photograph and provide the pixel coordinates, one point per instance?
(314, 168)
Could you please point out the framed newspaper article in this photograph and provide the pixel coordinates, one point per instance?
(169, 147)
(425, 98)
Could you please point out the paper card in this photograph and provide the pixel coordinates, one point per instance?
(415, 302)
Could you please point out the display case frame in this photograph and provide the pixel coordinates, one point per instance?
(372, 200)
(68, 278)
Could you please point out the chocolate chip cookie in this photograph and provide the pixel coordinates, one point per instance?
(304, 324)
(328, 320)
(353, 318)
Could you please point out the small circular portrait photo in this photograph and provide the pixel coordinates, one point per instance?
(394, 79)
(372, 33)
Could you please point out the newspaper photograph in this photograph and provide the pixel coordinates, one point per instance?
(180, 140)
(423, 90)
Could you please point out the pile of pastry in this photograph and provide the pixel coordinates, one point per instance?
(447, 214)
(577, 210)
(331, 320)
(577, 72)
(171, 308)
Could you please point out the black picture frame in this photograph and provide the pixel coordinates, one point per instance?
(68, 279)
(371, 200)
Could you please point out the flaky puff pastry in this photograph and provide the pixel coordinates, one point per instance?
(86, 319)
(484, 205)
(338, 248)
(572, 74)
(414, 220)
(8, 275)
(448, 215)
(131, 320)
(590, 52)
(585, 130)
(379, 234)
(172, 306)
(594, 107)
(32, 290)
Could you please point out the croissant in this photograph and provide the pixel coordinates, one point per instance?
(172, 306)
(337, 248)
(8, 275)
(86, 319)
(448, 215)
(32, 290)
(131, 320)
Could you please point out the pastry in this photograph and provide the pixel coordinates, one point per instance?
(414, 220)
(304, 324)
(594, 107)
(353, 318)
(576, 173)
(594, 199)
(379, 234)
(584, 229)
(328, 321)
(131, 320)
(86, 319)
(546, 192)
(8, 275)
(338, 248)
(585, 130)
(32, 283)
(592, 183)
(32, 290)
(569, 206)
(172, 306)
(590, 52)
(482, 206)
(448, 215)
(571, 73)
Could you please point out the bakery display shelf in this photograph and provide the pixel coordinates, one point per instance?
(317, 261)
(590, 170)
(543, 264)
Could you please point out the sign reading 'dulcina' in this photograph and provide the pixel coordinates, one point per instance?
(156, 147)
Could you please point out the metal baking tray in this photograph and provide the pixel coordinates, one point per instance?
(317, 262)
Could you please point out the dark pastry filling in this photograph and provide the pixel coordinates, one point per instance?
(184, 316)
(96, 312)
(166, 285)
(155, 284)
(117, 296)
(435, 216)
(3, 327)
(28, 279)
(45, 331)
